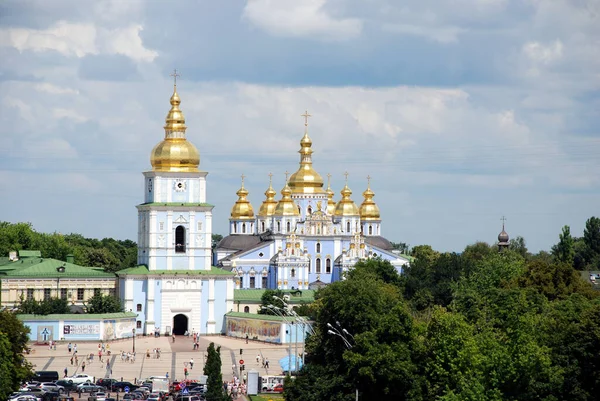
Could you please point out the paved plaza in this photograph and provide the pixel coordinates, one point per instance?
(175, 356)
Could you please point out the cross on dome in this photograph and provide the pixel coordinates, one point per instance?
(175, 75)
(306, 116)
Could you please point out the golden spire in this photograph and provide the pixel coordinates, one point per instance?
(346, 206)
(268, 206)
(175, 153)
(330, 194)
(242, 210)
(369, 209)
(306, 180)
(286, 206)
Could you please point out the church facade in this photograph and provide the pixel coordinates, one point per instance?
(175, 288)
(305, 239)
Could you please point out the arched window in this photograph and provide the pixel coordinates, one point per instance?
(180, 239)
(309, 264)
(309, 210)
(288, 227)
(327, 265)
(243, 228)
(370, 230)
(318, 267)
(318, 247)
(234, 228)
(348, 227)
(293, 273)
(262, 226)
(299, 209)
(246, 309)
(278, 226)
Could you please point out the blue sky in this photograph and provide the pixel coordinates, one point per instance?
(462, 111)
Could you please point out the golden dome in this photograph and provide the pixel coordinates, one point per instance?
(330, 194)
(242, 210)
(175, 153)
(306, 180)
(346, 206)
(369, 209)
(268, 206)
(286, 206)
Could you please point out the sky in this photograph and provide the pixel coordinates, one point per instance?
(461, 111)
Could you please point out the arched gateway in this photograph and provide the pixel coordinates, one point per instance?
(180, 324)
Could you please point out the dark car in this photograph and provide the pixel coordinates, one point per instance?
(51, 396)
(67, 384)
(108, 383)
(89, 388)
(120, 386)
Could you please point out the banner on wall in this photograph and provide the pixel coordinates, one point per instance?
(261, 330)
(81, 329)
(45, 334)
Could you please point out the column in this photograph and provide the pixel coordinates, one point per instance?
(210, 323)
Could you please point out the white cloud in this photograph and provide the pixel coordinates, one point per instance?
(442, 33)
(55, 89)
(79, 39)
(543, 54)
(306, 18)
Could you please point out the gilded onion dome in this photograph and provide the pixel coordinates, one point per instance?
(330, 194)
(306, 180)
(286, 206)
(268, 206)
(346, 206)
(242, 210)
(369, 209)
(175, 153)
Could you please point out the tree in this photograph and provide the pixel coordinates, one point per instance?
(268, 298)
(591, 238)
(564, 251)
(212, 369)
(103, 304)
(13, 340)
(519, 245)
(45, 307)
(215, 240)
(400, 246)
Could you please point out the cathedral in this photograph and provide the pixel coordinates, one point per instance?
(175, 288)
(305, 239)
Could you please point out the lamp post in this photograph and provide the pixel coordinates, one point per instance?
(277, 311)
(133, 332)
(345, 336)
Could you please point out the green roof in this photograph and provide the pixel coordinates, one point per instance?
(255, 295)
(29, 254)
(170, 204)
(142, 270)
(272, 318)
(48, 268)
(410, 258)
(79, 316)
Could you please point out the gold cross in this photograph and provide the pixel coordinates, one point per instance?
(346, 174)
(175, 75)
(243, 176)
(270, 178)
(368, 180)
(286, 176)
(306, 115)
(328, 179)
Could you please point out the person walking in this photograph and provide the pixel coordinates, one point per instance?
(69, 347)
(258, 358)
(246, 338)
(75, 348)
(267, 363)
(66, 371)
(191, 363)
(82, 366)
(173, 337)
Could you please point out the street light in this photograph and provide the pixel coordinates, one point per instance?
(133, 332)
(342, 333)
(277, 311)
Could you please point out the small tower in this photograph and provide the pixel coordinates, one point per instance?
(286, 212)
(242, 214)
(330, 194)
(346, 211)
(370, 217)
(267, 208)
(503, 237)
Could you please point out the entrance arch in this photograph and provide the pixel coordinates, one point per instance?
(180, 324)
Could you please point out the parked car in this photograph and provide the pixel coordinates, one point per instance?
(82, 378)
(67, 384)
(52, 387)
(23, 397)
(120, 386)
(89, 388)
(278, 388)
(106, 383)
(99, 396)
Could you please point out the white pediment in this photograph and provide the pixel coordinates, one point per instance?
(180, 219)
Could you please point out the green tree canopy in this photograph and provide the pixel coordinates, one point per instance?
(564, 251)
(103, 304)
(14, 368)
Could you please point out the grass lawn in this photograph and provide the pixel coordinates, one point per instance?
(266, 397)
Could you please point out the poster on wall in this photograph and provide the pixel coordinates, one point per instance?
(261, 330)
(81, 329)
(109, 330)
(124, 329)
(45, 334)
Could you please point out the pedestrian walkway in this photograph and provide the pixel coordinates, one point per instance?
(174, 357)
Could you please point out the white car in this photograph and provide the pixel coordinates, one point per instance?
(82, 378)
(99, 396)
(52, 387)
(25, 397)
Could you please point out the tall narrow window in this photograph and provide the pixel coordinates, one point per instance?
(309, 210)
(246, 309)
(327, 265)
(348, 227)
(30, 293)
(278, 226)
(97, 291)
(243, 228)
(138, 324)
(288, 226)
(318, 247)
(293, 273)
(47, 292)
(63, 293)
(318, 265)
(80, 293)
(309, 265)
(252, 282)
(370, 230)
(234, 228)
(262, 226)
(265, 282)
(180, 239)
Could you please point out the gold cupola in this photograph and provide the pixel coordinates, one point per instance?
(330, 194)
(369, 209)
(306, 180)
(346, 206)
(242, 210)
(286, 206)
(268, 206)
(175, 153)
